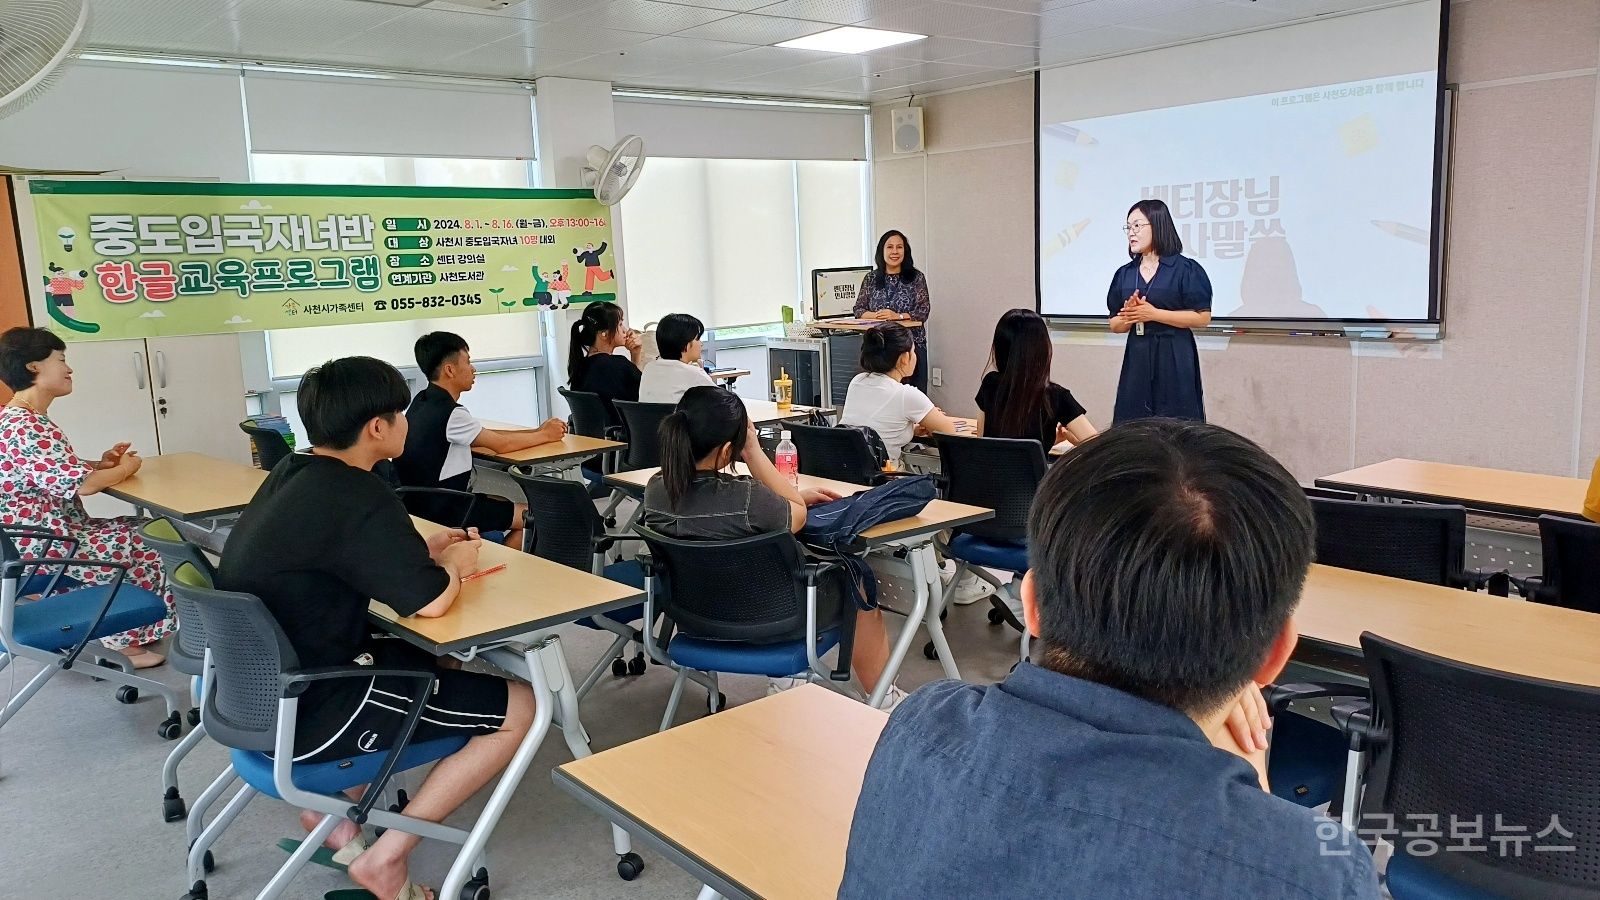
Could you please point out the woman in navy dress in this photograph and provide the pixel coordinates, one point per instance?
(1156, 300)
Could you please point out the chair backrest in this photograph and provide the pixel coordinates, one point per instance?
(841, 454)
(1414, 541)
(749, 589)
(249, 653)
(589, 415)
(177, 554)
(271, 447)
(1571, 563)
(642, 421)
(565, 522)
(1330, 493)
(1465, 745)
(1002, 474)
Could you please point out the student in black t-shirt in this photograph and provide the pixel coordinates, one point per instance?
(1018, 399)
(323, 537)
(442, 434)
(592, 363)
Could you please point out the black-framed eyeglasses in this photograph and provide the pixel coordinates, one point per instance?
(1130, 229)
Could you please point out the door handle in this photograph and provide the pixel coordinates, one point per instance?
(138, 369)
(161, 369)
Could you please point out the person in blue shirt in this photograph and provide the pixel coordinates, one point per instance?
(1128, 759)
(1156, 300)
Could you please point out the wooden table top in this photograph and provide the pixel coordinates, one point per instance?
(936, 516)
(570, 446)
(1510, 635)
(190, 485)
(765, 412)
(528, 595)
(858, 324)
(727, 374)
(1496, 491)
(761, 795)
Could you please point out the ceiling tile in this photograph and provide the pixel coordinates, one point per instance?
(1097, 42)
(610, 66)
(136, 23)
(748, 28)
(649, 16)
(933, 49)
(576, 38)
(429, 24)
(681, 49)
(939, 18)
(1000, 57)
(1023, 6)
(836, 12)
(725, 5)
(1201, 21)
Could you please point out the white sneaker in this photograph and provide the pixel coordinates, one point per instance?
(970, 589)
(892, 698)
(779, 685)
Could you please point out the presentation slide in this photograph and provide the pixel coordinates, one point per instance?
(1307, 202)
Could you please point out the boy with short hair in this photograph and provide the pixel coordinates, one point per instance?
(321, 539)
(443, 434)
(678, 369)
(1128, 761)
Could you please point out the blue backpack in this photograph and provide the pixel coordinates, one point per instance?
(836, 527)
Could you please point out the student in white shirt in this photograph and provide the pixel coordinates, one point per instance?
(678, 369)
(877, 399)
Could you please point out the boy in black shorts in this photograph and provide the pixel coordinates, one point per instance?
(324, 536)
(438, 451)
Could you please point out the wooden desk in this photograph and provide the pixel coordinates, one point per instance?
(529, 595)
(858, 325)
(729, 375)
(190, 486)
(1530, 639)
(755, 801)
(1493, 491)
(936, 516)
(571, 448)
(766, 412)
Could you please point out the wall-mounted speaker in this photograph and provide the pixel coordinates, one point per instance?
(905, 125)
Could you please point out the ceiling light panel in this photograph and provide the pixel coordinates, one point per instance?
(850, 39)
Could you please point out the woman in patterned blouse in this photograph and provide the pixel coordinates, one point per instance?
(897, 291)
(42, 480)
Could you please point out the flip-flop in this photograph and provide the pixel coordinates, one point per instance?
(412, 891)
(334, 859)
(141, 660)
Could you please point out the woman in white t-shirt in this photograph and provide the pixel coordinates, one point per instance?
(678, 369)
(877, 399)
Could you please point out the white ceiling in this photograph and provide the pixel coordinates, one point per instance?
(705, 45)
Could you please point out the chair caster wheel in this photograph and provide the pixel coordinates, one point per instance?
(477, 888)
(629, 866)
(209, 862)
(722, 703)
(127, 694)
(172, 807)
(619, 667)
(636, 666)
(198, 892)
(929, 652)
(170, 727)
(194, 717)
(995, 618)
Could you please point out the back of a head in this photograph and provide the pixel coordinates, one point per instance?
(1021, 355)
(23, 345)
(706, 418)
(434, 349)
(1167, 556)
(675, 332)
(883, 345)
(338, 398)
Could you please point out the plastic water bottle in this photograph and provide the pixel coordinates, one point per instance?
(787, 459)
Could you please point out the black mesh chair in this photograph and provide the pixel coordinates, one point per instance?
(567, 529)
(642, 424)
(1571, 550)
(841, 454)
(187, 652)
(590, 417)
(252, 694)
(746, 606)
(1415, 541)
(1001, 474)
(1461, 748)
(271, 446)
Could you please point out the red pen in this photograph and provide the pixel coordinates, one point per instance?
(479, 574)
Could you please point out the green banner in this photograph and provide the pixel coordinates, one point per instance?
(129, 259)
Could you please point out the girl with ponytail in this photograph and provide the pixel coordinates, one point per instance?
(696, 496)
(592, 362)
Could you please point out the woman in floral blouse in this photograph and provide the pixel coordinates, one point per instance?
(42, 479)
(895, 291)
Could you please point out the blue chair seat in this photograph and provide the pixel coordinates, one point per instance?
(59, 622)
(990, 554)
(1408, 878)
(739, 658)
(630, 573)
(1308, 760)
(340, 774)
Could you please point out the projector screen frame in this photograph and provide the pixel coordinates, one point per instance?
(1425, 329)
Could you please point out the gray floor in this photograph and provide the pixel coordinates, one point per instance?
(80, 792)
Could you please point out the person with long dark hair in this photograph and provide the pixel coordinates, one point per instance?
(1157, 300)
(880, 398)
(897, 291)
(1018, 399)
(695, 497)
(592, 362)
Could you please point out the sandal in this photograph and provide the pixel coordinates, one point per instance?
(144, 659)
(334, 859)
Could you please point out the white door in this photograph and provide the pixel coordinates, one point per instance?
(110, 402)
(199, 395)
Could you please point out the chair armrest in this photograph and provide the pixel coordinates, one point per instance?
(294, 684)
(604, 542)
(121, 570)
(51, 538)
(1360, 727)
(1279, 696)
(811, 574)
